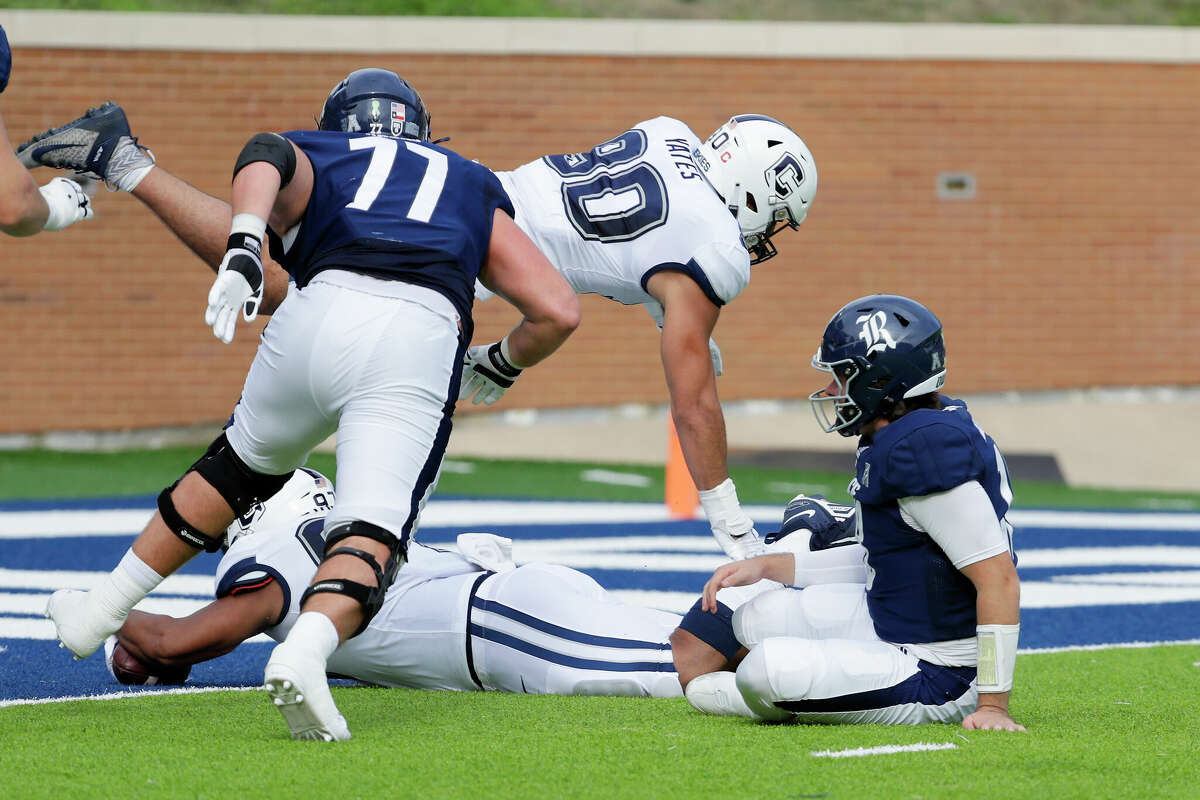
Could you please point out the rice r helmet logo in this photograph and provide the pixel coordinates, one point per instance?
(874, 333)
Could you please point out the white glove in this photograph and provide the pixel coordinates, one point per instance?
(68, 203)
(488, 372)
(239, 285)
(731, 527)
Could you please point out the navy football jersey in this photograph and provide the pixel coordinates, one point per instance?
(5, 59)
(914, 593)
(395, 209)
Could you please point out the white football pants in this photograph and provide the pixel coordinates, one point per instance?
(814, 657)
(546, 629)
(538, 629)
(376, 361)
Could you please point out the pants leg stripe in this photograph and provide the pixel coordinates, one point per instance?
(564, 633)
(932, 685)
(471, 604)
(434, 461)
(565, 660)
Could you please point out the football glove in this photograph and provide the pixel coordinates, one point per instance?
(827, 524)
(67, 201)
(238, 287)
(487, 372)
(731, 526)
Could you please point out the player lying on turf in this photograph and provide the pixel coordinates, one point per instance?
(534, 628)
(655, 216)
(932, 636)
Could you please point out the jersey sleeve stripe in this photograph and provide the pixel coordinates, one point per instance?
(693, 271)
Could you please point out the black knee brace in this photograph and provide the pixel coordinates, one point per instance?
(241, 486)
(190, 534)
(370, 597)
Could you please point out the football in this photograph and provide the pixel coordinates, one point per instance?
(129, 669)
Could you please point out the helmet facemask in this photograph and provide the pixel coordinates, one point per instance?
(837, 412)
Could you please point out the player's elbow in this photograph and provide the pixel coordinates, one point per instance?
(567, 315)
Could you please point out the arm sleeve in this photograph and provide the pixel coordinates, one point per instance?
(961, 521)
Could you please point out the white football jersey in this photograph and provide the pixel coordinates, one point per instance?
(610, 217)
(418, 644)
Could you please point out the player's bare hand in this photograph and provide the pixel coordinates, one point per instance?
(736, 573)
(987, 718)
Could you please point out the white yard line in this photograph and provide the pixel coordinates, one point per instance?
(481, 514)
(884, 750)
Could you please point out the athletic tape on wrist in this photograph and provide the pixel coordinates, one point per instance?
(720, 501)
(997, 657)
(252, 224)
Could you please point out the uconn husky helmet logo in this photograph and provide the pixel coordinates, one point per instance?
(874, 333)
(785, 176)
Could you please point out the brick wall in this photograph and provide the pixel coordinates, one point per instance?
(1073, 266)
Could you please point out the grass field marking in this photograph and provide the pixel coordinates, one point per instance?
(615, 478)
(39, 701)
(1109, 646)
(884, 750)
(469, 513)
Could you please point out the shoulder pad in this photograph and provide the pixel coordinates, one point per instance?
(929, 455)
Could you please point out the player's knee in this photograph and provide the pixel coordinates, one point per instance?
(339, 542)
(767, 676)
(764, 616)
(238, 485)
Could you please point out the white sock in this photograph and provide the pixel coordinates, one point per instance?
(314, 632)
(132, 580)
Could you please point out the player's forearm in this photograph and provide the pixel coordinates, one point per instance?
(535, 338)
(700, 426)
(171, 641)
(22, 212)
(202, 223)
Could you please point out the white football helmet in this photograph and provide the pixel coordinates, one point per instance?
(765, 174)
(307, 494)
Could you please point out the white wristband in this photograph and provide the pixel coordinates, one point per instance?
(507, 354)
(249, 223)
(721, 501)
(997, 657)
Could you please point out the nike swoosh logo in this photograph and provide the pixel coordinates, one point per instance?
(812, 512)
(523, 689)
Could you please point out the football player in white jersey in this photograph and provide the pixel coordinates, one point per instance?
(467, 620)
(932, 634)
(653, 216)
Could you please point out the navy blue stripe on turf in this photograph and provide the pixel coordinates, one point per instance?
(561, 632)
(565, 660)
(930, 686)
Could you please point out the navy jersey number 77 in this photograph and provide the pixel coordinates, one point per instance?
(396, 209)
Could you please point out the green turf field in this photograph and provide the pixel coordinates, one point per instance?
(1118, 723)
(1105, 724)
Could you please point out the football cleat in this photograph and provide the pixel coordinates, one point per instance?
(79, 623)
(296, 682)
(717, 693)
(98, 144)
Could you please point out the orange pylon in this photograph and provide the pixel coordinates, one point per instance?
(681, 496)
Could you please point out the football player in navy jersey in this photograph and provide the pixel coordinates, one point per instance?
(25, 208)
(384, 236)
(655, 216)
(932, 635)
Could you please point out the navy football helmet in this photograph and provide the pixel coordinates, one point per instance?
(375, 101)
(880, 350)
